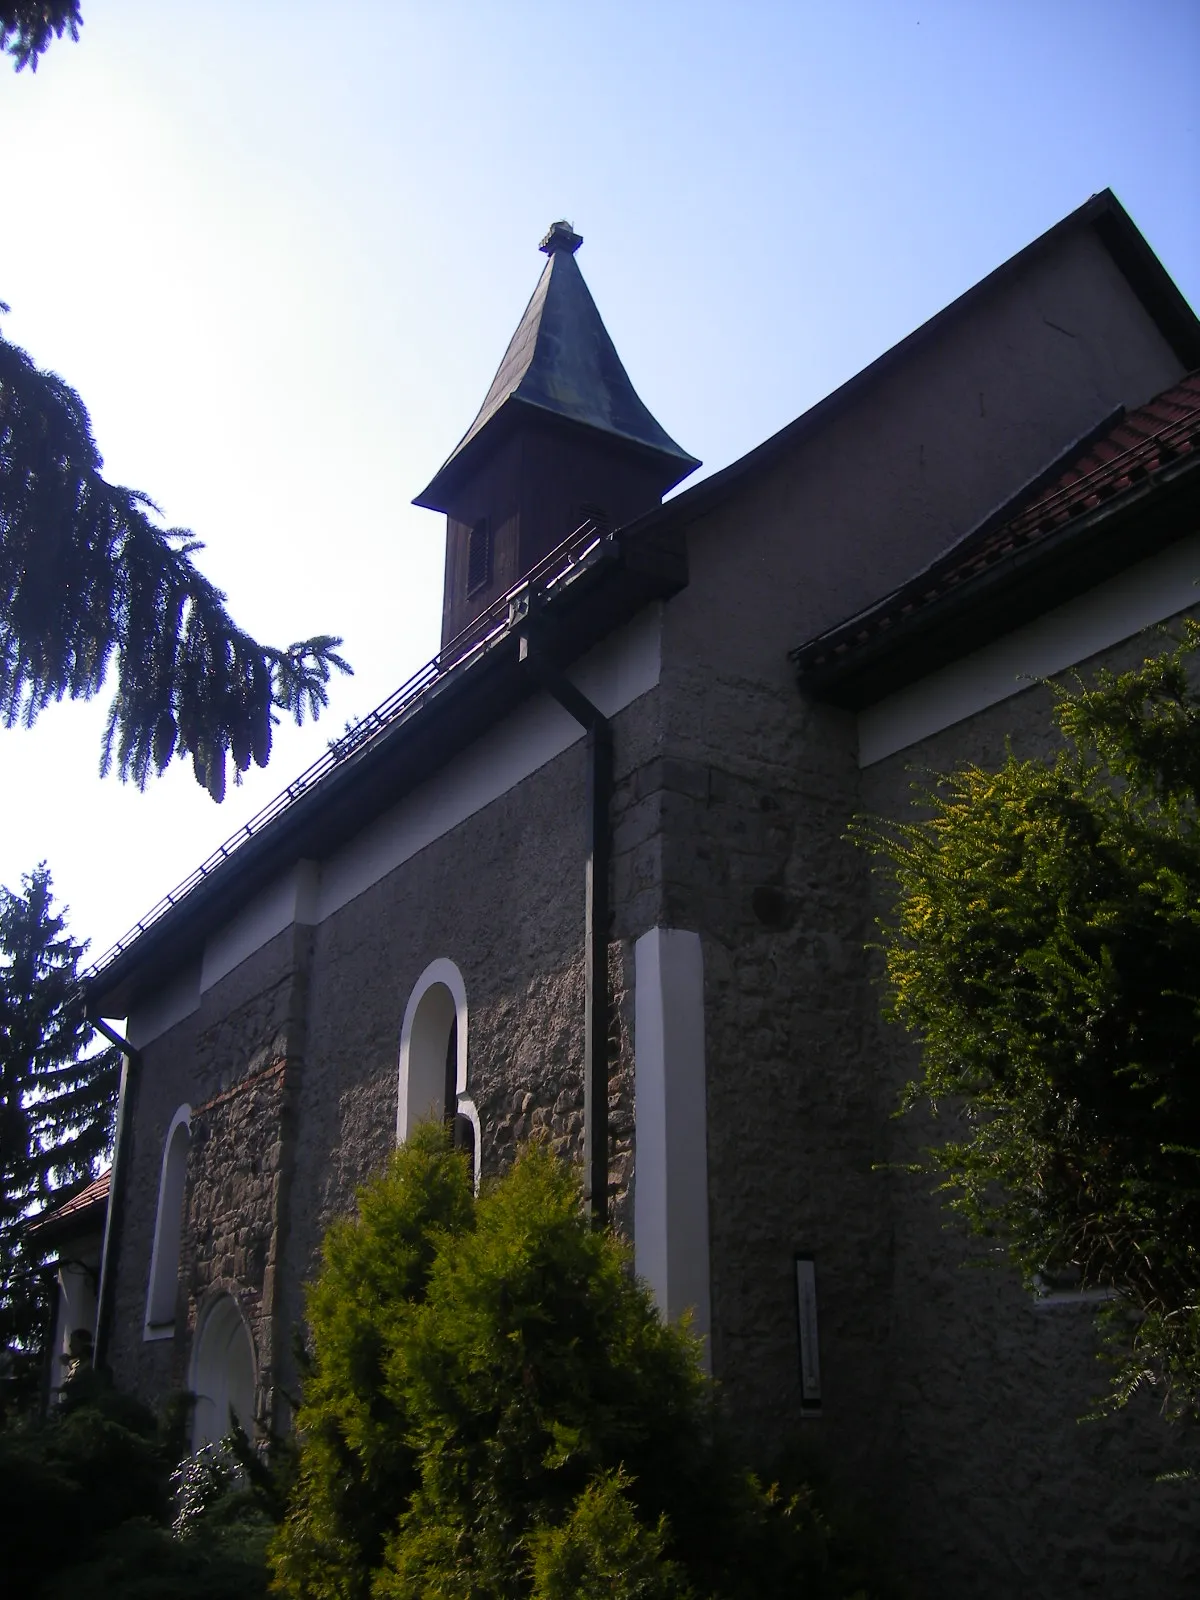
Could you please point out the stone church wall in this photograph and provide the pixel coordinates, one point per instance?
(163, 1082)
(987, 1387)
(757, 794)
(949, 1401)
(229, 1061)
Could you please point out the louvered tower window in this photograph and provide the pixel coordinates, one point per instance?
(479, 556)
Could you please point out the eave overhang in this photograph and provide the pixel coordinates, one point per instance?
(473, 685)
(561, 364)
(80, 1215)
(1093, 546)
(517, 411)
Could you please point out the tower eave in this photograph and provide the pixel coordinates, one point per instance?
(673, 465)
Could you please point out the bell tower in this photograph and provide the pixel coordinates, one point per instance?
(561, 437)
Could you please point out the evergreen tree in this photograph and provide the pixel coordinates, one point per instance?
(495, 1409)
(27, 27)
(56, 1104)
(89, 581)
(1045, 948)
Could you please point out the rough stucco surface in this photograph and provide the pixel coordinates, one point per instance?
(502, 896)
(290, 1063)
(992, 1472)
(232, 1061)
(162, 1083)
(950, 1402)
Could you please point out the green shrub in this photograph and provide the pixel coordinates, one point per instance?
(357, 1466)
(1045, 949)
(495, 1410)
(86, 1502)
(602, 1551)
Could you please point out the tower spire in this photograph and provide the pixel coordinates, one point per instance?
(560, 236)
(561, 435)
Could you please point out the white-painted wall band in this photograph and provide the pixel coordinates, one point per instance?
(1142, 595)
(670, 1195)
(613, 676)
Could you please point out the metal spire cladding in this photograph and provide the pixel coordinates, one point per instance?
(561, 367)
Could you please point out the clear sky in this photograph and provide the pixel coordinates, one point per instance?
(279, 249)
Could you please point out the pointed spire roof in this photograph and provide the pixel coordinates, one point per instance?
(562, 364)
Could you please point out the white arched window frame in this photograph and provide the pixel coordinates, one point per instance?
(224, 1373)
(168, 1229)
(436, 1007)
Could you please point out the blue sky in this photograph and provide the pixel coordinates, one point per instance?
(279, 250)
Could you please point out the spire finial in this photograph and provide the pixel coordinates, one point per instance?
(561, 237)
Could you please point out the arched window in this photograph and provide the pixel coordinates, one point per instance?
(223, 1372)
(168, 1228)
(433, 1059)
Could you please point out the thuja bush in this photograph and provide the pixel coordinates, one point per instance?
(1045, 949)
(494, 1409)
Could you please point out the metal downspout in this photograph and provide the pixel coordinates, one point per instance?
(596, 920)
(131, 1061)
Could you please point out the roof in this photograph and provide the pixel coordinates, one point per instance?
(1021, 548)
(592, 583)
(589, 585)
(85, 1208)
(561, 366)
(1103, 213)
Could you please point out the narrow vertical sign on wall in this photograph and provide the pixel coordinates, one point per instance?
(806, 1319)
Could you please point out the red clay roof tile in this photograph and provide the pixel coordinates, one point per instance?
(1133, 449)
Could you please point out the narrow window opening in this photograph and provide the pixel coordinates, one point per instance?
(460, 1126)
(464, 1137)
(450, 1093)
(479, 556)
(432, 1080)
(168, 1230)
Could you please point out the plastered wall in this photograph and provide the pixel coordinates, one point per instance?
(992, 1473)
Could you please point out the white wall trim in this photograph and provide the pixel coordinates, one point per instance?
(168, 1230)
(223, 1333)
(417, 1037)
(670, 1196)
(613, 676)
(466, 1107)
(616, 673)
(293, 898)
(161, 1010)
(1149, 592)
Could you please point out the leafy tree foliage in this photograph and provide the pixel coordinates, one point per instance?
(1045, 948)
(56, 1102)
(27, 27)
(495, 1409)
(89, 581)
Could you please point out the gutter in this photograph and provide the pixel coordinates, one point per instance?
(1018, 585)
(130, 1072)
(596, 918)
(590, 590)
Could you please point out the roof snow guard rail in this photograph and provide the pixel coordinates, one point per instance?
(590, 544)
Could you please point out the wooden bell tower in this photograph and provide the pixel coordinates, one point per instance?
(560, 438)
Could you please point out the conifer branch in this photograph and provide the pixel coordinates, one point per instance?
(28, 26)
(89, 583)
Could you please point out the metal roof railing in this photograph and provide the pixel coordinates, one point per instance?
(554, 572)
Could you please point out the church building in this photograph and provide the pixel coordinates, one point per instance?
(586, 876)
